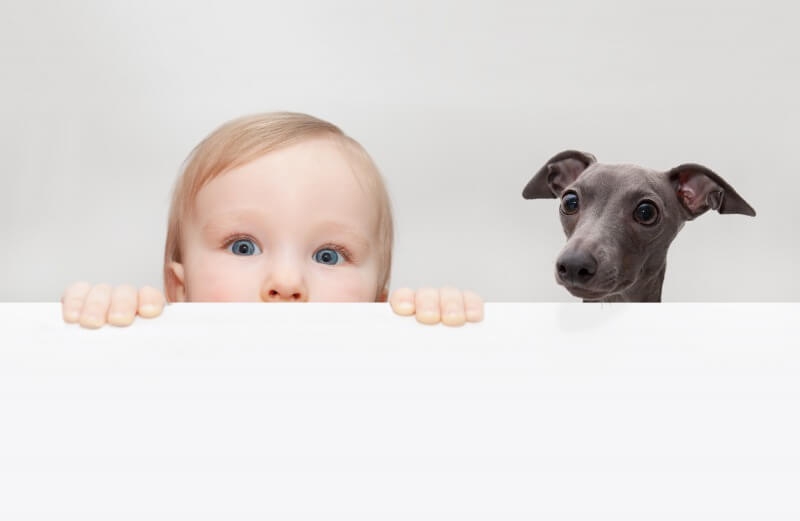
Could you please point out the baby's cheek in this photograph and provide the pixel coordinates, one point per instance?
(345, 286)
(210, 284)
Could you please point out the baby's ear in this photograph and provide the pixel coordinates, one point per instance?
(174, 282)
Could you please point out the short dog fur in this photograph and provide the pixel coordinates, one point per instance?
(620, 220)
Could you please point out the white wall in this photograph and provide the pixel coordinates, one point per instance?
(459, 103)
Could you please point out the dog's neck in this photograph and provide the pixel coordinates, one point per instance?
(645, 290)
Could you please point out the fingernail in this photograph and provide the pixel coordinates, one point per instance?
(148, 310)
(405, 306)
(92, 322)
(115, 317)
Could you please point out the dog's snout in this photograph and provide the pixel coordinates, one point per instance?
(576, 267)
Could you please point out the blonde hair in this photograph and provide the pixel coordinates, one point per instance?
(245, 139)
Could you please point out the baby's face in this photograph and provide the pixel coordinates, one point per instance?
(295, 225)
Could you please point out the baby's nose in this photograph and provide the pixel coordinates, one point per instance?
(284, 285)
(274, 295)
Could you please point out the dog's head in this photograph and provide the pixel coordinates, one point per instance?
(621, 219)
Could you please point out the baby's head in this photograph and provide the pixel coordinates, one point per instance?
(279, 207)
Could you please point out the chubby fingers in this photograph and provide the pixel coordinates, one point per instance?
(403, 301)
(122, 309)
(72, 301)
(151, 302)
(473, 306)
(95, 306)
(427, 306)
(127, 302)
(459, 307)
(452, 307)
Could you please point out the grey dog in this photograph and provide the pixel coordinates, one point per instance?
(620, 220)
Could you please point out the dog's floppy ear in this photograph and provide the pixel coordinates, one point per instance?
(698, 189)
(558, 173)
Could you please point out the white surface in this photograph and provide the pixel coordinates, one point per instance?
(544, 411)
(458, 102)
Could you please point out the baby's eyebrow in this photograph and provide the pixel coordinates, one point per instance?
(223, 220)
(349, 232)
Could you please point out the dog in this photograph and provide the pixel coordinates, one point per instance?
(620, 220)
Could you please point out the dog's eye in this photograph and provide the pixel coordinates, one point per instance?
(569, 203)
(646, 213)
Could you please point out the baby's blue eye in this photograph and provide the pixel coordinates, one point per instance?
(244, 247)
(328, 256)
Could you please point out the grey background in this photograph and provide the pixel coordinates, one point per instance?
(458, 102)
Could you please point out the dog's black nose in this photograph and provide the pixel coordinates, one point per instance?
(576, 267)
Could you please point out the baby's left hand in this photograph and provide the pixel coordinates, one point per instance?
(450, 306)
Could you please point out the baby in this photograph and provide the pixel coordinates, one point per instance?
(275, 207)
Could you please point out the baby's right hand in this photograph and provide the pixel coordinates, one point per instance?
(94, 306)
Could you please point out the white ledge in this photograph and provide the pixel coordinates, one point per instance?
(346, 411)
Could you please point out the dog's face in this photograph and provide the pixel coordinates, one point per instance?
(620, 219)
(619, 226)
